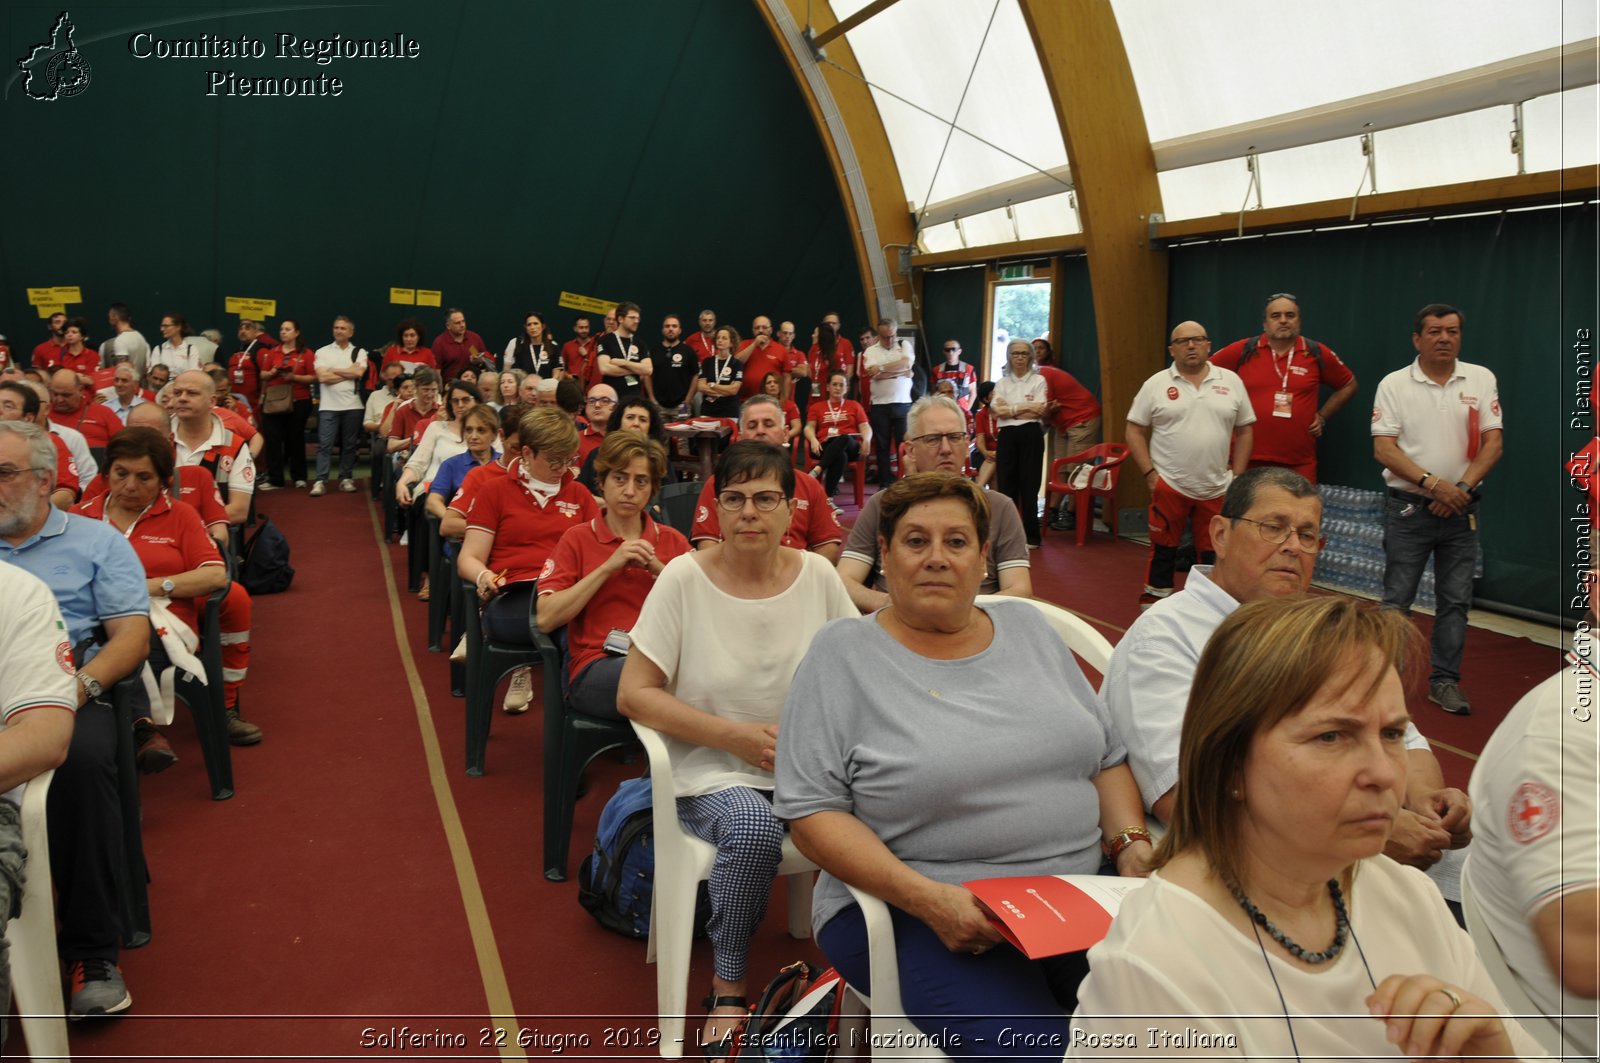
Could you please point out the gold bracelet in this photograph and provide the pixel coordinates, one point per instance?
(1125, 837)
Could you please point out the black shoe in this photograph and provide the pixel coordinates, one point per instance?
(1066, 521)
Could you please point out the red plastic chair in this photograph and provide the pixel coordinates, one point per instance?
(855, 470)
(1108, 459)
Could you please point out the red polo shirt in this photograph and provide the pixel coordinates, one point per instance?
(1074, 403)
(1284, 440)
(842, 420)
(701, 345)
(582, 361)
(300, 362)
(525, 531)
(588, 442)
(47, 355)
(97, 423)
(812, 524)
(196, 489)
(169, 540)
(407, 423)
(616, 604)
(66, 467)
(472, 483)
(85, 361)
(455, 355)
(758, 365)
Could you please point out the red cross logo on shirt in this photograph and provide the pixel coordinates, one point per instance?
(1533, 811)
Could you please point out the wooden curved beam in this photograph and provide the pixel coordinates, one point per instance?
(864, 166)
(1114, 172)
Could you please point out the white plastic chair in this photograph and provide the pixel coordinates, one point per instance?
(893, 1035)
(682, 863)
(35, 965)
(1518, 1003)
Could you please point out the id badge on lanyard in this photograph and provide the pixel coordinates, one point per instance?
(1281, 400)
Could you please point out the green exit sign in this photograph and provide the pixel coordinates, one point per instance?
(1016, 273)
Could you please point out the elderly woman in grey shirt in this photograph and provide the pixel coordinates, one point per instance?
(935, 742)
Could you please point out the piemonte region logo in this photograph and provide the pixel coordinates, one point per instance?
(55, 69)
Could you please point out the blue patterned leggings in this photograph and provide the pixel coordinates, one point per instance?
(749, 841)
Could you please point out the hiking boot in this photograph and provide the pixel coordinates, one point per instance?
(520, 693)
(347, 486)
(97, 989)
(1448, 697)
(242, 732)
(1066, 520)
(153, 752)
(318, 488)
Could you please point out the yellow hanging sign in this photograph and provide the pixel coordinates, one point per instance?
(427, 297)
(254, 309)
(403, 296)
(586, 303)
(46, 310)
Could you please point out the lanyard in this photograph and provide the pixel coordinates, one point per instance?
(1287, 362)
(105, 515)
(720, 367)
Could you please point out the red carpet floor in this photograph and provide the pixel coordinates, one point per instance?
(320, 909)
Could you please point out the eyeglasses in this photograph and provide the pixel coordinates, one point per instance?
(9, 472)
(1277, 534)
(1275, 296)
(947, 350)
(558, 463)
(1191, 341)
(602, 402)
(933, 439)
(734, 501)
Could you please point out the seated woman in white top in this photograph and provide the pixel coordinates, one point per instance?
(714, 652)
(441, 440)
(1274, 926)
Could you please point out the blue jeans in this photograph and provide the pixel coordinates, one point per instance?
(1410, 535)
(342, 427)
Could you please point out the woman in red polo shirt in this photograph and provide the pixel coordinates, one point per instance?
(514, 526)
(180, 560)
(836, 431)
(293, 366)
(597, 580)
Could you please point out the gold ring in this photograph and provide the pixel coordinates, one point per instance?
(1455, 999)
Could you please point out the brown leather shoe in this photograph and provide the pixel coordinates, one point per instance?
(154, 754)
(242, 732)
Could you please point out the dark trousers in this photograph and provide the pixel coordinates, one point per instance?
(1018, 465)
(507, 616)
(1410, 536)
(85, 826)
(295, 445)
(594, 691)
(888, 422)
(956, 995)
(802, 399)
(836, 454)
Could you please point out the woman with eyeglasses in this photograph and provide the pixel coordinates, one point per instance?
(837, 431)
(441, 440)
(1020, 404)
(714, 651)
(1273, 926)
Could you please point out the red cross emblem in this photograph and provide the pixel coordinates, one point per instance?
(1533, 811)
(1172, 393)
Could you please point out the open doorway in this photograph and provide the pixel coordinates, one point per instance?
(1021, 310)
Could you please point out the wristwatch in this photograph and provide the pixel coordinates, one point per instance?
(91, 686)
(166, 586)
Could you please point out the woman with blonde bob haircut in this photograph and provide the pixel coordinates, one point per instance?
(1273, 925)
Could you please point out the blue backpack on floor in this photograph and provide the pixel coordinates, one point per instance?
(615, 883)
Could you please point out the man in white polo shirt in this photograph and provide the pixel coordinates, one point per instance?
(1189, 435)
(887, 366)
(1436, 432)
(339, 365)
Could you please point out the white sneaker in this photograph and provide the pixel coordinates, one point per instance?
(459, 654)
(318, 488)
(347, 486)
(520, 693)
(299, 483)
(405, 538)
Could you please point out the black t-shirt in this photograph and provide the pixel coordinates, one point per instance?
(715, 371)
(613, 346)
(540, 362)
(675, 369)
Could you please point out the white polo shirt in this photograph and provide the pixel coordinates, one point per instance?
(1534, 839)
(38, 672)
(235, 466)
(343, 395)
(891, 389)
(1016, 391)
(1191, 427)
(1430, 421)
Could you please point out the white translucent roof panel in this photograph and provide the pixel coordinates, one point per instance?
(1050, 216)
(1210, 65)
(923, 51)
(1559, 132)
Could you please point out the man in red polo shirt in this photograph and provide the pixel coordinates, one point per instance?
(244, 367)
(811, 527)
(1074, 428)
(413, 417)
(457, 347)
(597, 409)
(73, 354)
(761, 355)
(580, 356)
(69, 406)
(702, 342)
(1284, 373)
(47, 355)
